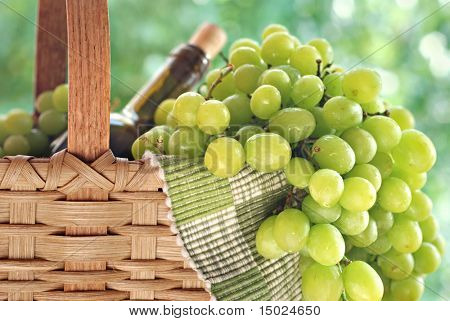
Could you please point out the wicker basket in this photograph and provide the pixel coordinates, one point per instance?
(84, 225)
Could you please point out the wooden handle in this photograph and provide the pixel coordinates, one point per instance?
(89, 78)
(51, 46)
(85, 38)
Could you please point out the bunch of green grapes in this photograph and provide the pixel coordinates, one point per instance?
(356, 212)
(17, 135)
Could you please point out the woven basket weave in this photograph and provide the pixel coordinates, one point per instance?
(84, 225)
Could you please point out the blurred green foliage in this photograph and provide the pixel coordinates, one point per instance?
(406, 40)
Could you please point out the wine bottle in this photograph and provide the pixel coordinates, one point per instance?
(184, 67)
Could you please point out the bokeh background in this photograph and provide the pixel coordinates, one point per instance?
(407, 41)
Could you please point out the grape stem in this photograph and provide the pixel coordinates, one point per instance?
(303, 150)
(224, 58)
(345, 261)
(223, 72)
(319, 62)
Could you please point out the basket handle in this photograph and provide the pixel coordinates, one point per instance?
(51, 46)
(88, 69)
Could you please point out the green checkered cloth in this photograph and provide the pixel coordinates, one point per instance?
(217, 220)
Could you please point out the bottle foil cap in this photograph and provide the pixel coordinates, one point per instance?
(210, 38)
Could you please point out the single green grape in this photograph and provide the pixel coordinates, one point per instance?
(277, 48)
(385, 130)
(426, 259)
(333, 84)
(439, 242)
(367, 171)
(239, 107)
(359, 194)
(245, 55)
(60, 98)
(405, 235)
(293, 73)
(394, 195)
(272, 28)
(3, 132)
(298, 172)
(322, 283)
(39, 144)
(429, 228)
(16, 145)
(213, 117)
(224, 157)
(362, 282)
(18, 122)
(410, 289)
(366, 237)
(306, 59)
(384, 219)
(185, 108)
(415, 152)
(332, 152)
(326, 187)
(352, 223)
(420, 208)
(244, 133)
(308, 91)
(162, 111)
(293, 124)
(362, 143)
(265, 101)
(322, 127)
(244, 42)
(326, 51)
(267, 152)
(380, 246)
(156, 140)
(415, 181)
(265, 242)
(225, 88)
(52, 122)
(362, 85)
(325, 236)
(246, 78)
(403, 117)
(341, 113)
(384, 163)
(280, 80)
(396, 265)
(44, 101)
(320, 214)
(187, 142)
(374, 107)
(291, 230)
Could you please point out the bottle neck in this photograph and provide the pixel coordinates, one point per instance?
(183, 69)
